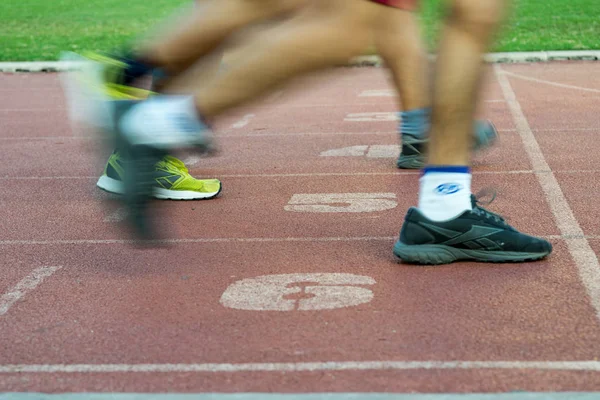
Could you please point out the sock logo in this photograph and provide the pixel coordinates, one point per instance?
(448, 188)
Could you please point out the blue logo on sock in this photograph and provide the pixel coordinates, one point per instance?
(448, 188)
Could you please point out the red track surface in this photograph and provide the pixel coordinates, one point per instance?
(112, 304)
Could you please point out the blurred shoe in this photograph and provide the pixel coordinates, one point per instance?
(172, 180)
(414, 149)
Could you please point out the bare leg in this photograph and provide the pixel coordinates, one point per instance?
(206, 28)
(399, 42)
(320, 37)
(401, 46)
(467, 35)
(447, 226)
(446, 184)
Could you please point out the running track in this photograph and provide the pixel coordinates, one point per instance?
(287, 283)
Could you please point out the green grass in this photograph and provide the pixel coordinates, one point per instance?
(41, 29)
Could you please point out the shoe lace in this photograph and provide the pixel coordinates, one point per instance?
(476, 202)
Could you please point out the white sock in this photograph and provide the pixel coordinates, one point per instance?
(445, 192)
(164, 120)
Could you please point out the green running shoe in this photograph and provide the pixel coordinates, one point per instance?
(171, 180)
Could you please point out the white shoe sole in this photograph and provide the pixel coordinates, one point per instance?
(114, 186)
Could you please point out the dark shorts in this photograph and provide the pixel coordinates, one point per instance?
(402, 4)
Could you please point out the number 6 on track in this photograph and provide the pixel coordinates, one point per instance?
(321, 291)
(342, 202)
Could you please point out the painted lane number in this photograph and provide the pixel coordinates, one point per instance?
(342, 202)
(289, 292)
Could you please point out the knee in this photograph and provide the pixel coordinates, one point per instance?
(482, 16)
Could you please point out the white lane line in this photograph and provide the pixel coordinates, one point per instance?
(55, 89)
(308, 396)
(201, 240)
(392, 93)
(40, 138)
(580, 249)
(229, 134)
(244, 121)
(378, 93)
(363, 133)
(350, 151)
(303, 366)
(567, 129)
(237, 240)
(383, 151)
(117, 216)
(560, 85)
(291, 175)
(371, 116)
(409, 173)
(26, 285)
(23, 178)
(32, 109)
(309, 174)
(266, 134)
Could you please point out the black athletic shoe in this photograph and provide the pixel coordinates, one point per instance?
(477, 235)
(413, 153)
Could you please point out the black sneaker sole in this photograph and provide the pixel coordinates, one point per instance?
(436, 254)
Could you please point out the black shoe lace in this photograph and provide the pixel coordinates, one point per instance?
(476, 202)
